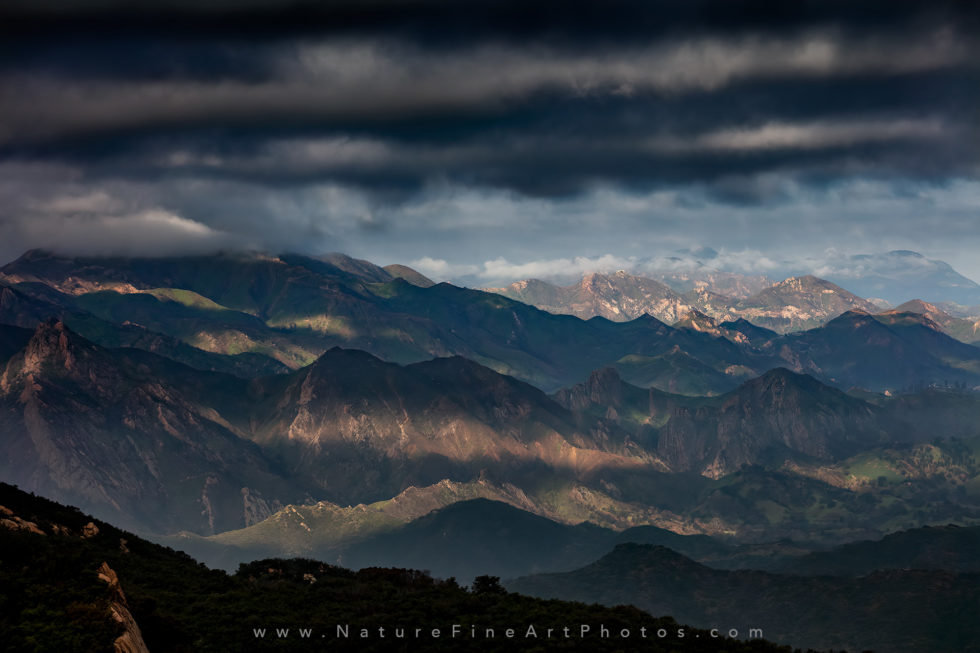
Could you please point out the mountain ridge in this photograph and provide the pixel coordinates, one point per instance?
(890, 610)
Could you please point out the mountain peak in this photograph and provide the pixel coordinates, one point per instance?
(605, 386)
(646, 318)
(784, 375)
(799, 303)
(917, 306)
(604, 376)
(854, 319)
(805, 281)
(528, 289)
(593, 279)
(854, 315)
(698, 321)
(55, 351)
(454, 365)
(359, 268)
(36, 254)
(751, 331)
(618, 296)
(695, 314)
(52, 342)
(926, 320)
(337, 354)
(778, 379)
(410, 275)
(814, 284)
(933, 316)
(783, 382)
(647, 556)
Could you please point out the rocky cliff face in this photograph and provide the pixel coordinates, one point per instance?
(131, 640)
(695, 320)
(603, 388)
(95, 426)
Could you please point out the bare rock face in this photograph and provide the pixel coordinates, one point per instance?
(255, 508)
(619, 297)
(90, 530)
(49, 344)
(118, 434)
(800, 303)
(12, 522)
(695, 320)
(131, 641)
(603, 387)
(790, 305)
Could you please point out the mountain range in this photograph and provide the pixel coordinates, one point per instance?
(212, 442)
(166, 447)
(890, 277)
(794, 304)
(246, 406)
(270, 314)
(891, 610)
(619, 297)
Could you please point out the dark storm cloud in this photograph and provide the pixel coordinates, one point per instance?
(580, 22)
(312, 124)
(494, 115)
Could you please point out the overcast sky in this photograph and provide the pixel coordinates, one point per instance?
(469, 136)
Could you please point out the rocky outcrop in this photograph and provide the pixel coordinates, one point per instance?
(12, 522)
(695, 320)
(131, 640)
(604, 387)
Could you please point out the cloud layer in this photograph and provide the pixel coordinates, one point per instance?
(489, 136)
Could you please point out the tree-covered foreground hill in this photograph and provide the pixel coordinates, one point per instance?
(71, 583)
